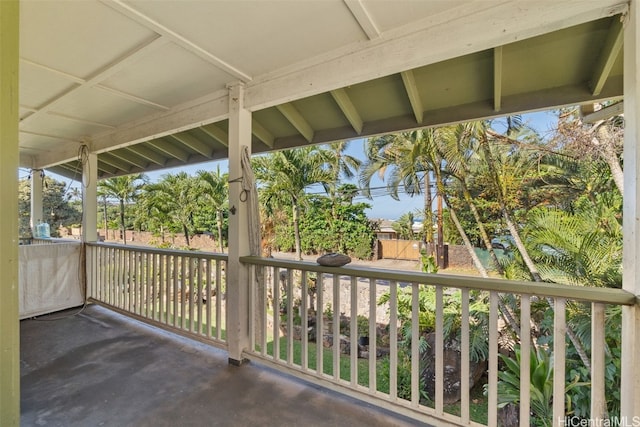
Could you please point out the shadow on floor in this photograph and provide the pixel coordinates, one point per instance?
(99, 368)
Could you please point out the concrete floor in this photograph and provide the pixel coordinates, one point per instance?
(99, 368)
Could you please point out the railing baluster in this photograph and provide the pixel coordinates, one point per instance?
(598, 400)
(319, 324)
(208, 294)
(200, 293)
(492, 403)
(336, 327)
(559, 337)
(219, 300)
(415, 345)
(304, 320)
(268, 287)
(183, 291)
(373, 335)
(525, 359)
(393, 340)
(353, 332)
(439, 355)
(290, 316)
(131, 287)
(464, 357)
(176, 288)
(168, 276)
(276, 314)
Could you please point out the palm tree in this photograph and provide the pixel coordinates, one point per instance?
(216, 190)
(175, 196)
(286, 174)
(125, 189)
(402, 155)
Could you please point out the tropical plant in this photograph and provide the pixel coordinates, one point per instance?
(174, 197)
(541, 385)
(216, 192)
(124, 189)
(284, 176)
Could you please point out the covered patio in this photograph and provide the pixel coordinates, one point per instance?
(96, 89)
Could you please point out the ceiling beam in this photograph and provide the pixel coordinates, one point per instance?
(297, 120)
(193, 143)
(262, 133)
(411, 87)
(603, 113)
(362, 16)
(430, 44)
(608, 55)
(80, 120)
(47, 135)
(497, 79)
(109, 159)
(115, 67)
(133, 98)
(216, 133)
(139, 17)
(348, 109)
(147, 153)
(131, 157)
(169, 149)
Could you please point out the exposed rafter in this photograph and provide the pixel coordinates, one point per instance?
(348, 109)
(411, 87)
(607, 58)
(185, 43)
(193, 143)
(109, 159)
(81, 120)
(148, 154)
(297, 120)
(362, 16)
(46, 135)
(497, 79)
(590, 116)
(131, 157)
(262, 133)
(108, 169)
(216, 133)
(169, 149)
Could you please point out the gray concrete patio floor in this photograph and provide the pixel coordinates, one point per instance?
(99, 368)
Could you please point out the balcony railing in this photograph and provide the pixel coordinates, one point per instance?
(180, 290)
(363, 332)
(395, 369)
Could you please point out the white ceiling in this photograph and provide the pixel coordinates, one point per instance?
(124, 76)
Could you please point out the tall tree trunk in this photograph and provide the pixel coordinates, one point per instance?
(185, 230)
(296, 229)
(106, 228)
(483, 232)
(122, 224)
(609, 155)
(523, 250)
(506, 313)
(219, 225)
(428, 215)
(440, 250)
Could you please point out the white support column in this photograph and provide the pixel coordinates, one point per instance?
(9, 323)
(36, 199)
(630, 396)
(90, 198)
(237, 274)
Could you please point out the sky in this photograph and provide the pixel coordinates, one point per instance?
(383, 206)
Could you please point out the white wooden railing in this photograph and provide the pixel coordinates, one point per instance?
(183, 291)
(355, 291)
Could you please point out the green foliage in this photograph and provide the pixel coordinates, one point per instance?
(428, 263)
(452, 309)
(60, 206)
(541, 385)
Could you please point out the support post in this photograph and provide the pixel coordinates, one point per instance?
(237, 273)
(9, 323)
(90, 198)
(37, 210)
(630, 398)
